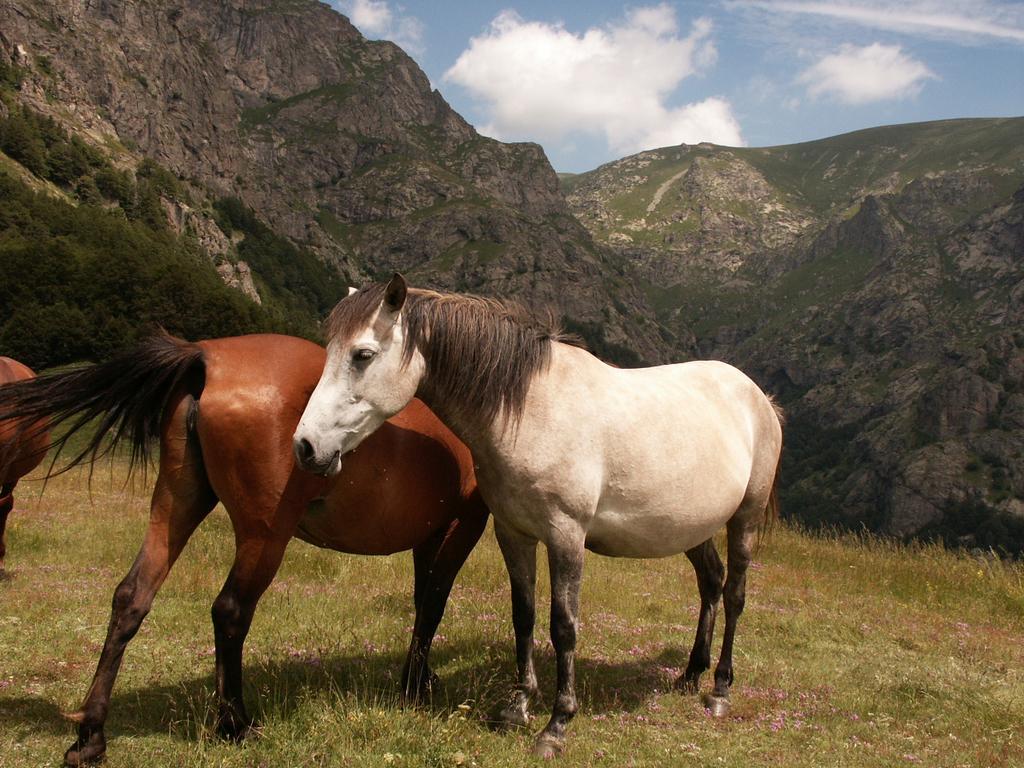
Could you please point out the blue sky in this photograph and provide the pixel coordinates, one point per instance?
(595, 81)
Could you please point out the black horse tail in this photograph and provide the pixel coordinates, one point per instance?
(120, 401)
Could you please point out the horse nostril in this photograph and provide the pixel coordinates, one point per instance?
(303, 450)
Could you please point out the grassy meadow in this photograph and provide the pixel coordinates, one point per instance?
(851, 653)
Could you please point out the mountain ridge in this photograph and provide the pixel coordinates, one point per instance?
(872, 281)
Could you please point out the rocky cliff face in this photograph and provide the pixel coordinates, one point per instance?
(874, 281)
(684, 208)
(337, 142)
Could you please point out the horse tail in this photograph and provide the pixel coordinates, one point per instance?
(771, 509)
(120, 401)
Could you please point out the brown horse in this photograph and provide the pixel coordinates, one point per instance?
(224, 412)
(22, 447)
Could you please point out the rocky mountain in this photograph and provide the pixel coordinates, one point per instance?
(336, 142)
(875, 282)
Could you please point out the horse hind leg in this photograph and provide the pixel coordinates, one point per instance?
(417, 678)
(437, 562)
(258, 554)
(182, 499)
(742, 535)
(710, 575)
(6, 505)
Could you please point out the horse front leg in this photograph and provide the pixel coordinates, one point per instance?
(565, 562)
(437, 562)
(520, 553)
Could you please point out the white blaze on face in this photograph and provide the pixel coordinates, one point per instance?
(363, 384)
(335, 418)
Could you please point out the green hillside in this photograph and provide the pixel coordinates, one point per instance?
(339, 146)
(89, 260)
(810, 180)
(834, 172)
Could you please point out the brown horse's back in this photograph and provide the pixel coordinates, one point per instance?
(12, 370)
(21, 446)
(412, 478)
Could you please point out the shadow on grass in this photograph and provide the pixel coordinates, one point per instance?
(25, 715)
(275, 690)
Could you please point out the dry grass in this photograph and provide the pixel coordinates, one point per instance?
(852, 652)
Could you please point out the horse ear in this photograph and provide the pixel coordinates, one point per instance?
(352, 289)
(395, 293)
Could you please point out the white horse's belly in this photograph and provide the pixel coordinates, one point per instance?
(622, 532)
(668, 484)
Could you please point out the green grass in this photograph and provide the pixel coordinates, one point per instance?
(478, 252)
(852, 652)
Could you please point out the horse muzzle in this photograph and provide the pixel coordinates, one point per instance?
(307, 458)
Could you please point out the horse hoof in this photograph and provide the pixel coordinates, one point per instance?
(90, 751)
(422, 693)
(230, 729)
(511, 718)
(547, 747)
(238, 735)
(687, 685)
(718, 706)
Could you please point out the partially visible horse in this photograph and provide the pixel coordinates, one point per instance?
(224, 412)
(570, 451)
(22, 447)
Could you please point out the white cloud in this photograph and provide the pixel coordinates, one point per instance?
(542, 82)
(708, 120)
(859, 75)
(965, 21)
(373, 17)
(376, 19)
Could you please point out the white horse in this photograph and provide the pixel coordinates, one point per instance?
(569, 451)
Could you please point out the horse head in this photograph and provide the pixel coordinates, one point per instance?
(369, 376)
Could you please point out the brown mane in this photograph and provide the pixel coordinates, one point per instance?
(481, 353)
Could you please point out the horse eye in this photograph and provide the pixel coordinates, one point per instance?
(363, 355)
